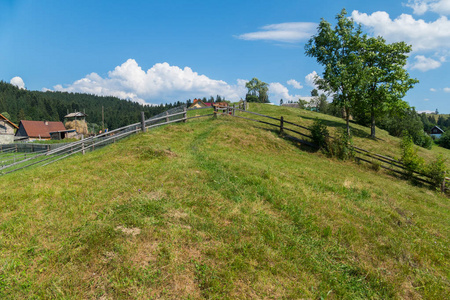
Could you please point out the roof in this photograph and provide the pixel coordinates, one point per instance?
(8, 121)
(75, 115)
(438, 129)
(35, 129)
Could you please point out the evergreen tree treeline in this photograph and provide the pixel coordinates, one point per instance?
(53, 106)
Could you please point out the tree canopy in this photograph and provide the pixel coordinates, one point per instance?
(257, 91)
(364, 74)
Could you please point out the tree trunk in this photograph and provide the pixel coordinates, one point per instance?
(347, 120)
(372, 124)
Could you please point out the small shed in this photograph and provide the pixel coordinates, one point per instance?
(7, 130)
(436, 132)
(76, 116)
(38, 130)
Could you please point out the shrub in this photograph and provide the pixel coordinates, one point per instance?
(411, 161)
(319, 134)
(436, 170)
(444, 141)
(341, 147)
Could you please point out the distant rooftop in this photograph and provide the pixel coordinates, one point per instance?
(75, 115)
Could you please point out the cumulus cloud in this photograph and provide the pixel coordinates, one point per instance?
(295, 84)
(284, 32)
(422, 6)
(423, 63)
(17, 81)
(160, 84)
(421, 35)
(278, 91)
(310, 79)
(433, 90)
(447, 89)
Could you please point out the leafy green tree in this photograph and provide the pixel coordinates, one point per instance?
(302, 103)
(338, 51)
(366, 75)
(6, 115)
(385, 79)
(257, 91)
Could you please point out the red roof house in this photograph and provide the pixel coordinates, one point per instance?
(38, 129)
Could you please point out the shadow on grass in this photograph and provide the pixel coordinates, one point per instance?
(355, 131)
(303, 145)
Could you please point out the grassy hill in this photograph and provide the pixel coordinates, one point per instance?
(220, 209)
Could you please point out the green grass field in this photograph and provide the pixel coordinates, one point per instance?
(221, 209)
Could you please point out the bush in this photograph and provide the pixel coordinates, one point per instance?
(436, 170)
(341, 147)
(319, 133)
(444, 141)
(411, 161)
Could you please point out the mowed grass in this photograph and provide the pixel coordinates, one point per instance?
(218, 209)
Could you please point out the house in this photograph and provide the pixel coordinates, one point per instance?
(197, 103)
(7, 130)
(436, 132)
(41, 130)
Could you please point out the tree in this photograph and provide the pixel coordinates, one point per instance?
(337, 50)
(257, 91)
(385, 81)
(302, 103)
(6, 115)
(281, 102)
(366, 75)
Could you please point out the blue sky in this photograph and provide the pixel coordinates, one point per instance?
(165, 51)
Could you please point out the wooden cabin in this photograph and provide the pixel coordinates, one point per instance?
(436, 132)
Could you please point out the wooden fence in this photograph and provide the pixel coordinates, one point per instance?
(179, 114)
(361, 155)
(52, 154)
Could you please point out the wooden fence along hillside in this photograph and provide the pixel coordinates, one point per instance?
(14, 158)
(361, 155)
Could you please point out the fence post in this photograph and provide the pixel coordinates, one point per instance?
(185, 114)
(82, 143)
(142, 121)
(443, 184)
(234, 108)
(281, 124)
(215, 112)
(167, 119)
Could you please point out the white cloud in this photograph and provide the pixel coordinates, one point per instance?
(423, 36)
(284, 32)
(17, 81)
(423, 63)
(160, 84)
(310, 79)
(295, 84)
(426, 99)
(447, 89)
(420, 7)
(278, 91)
(433, 90)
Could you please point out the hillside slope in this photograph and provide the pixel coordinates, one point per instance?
(218, 209)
